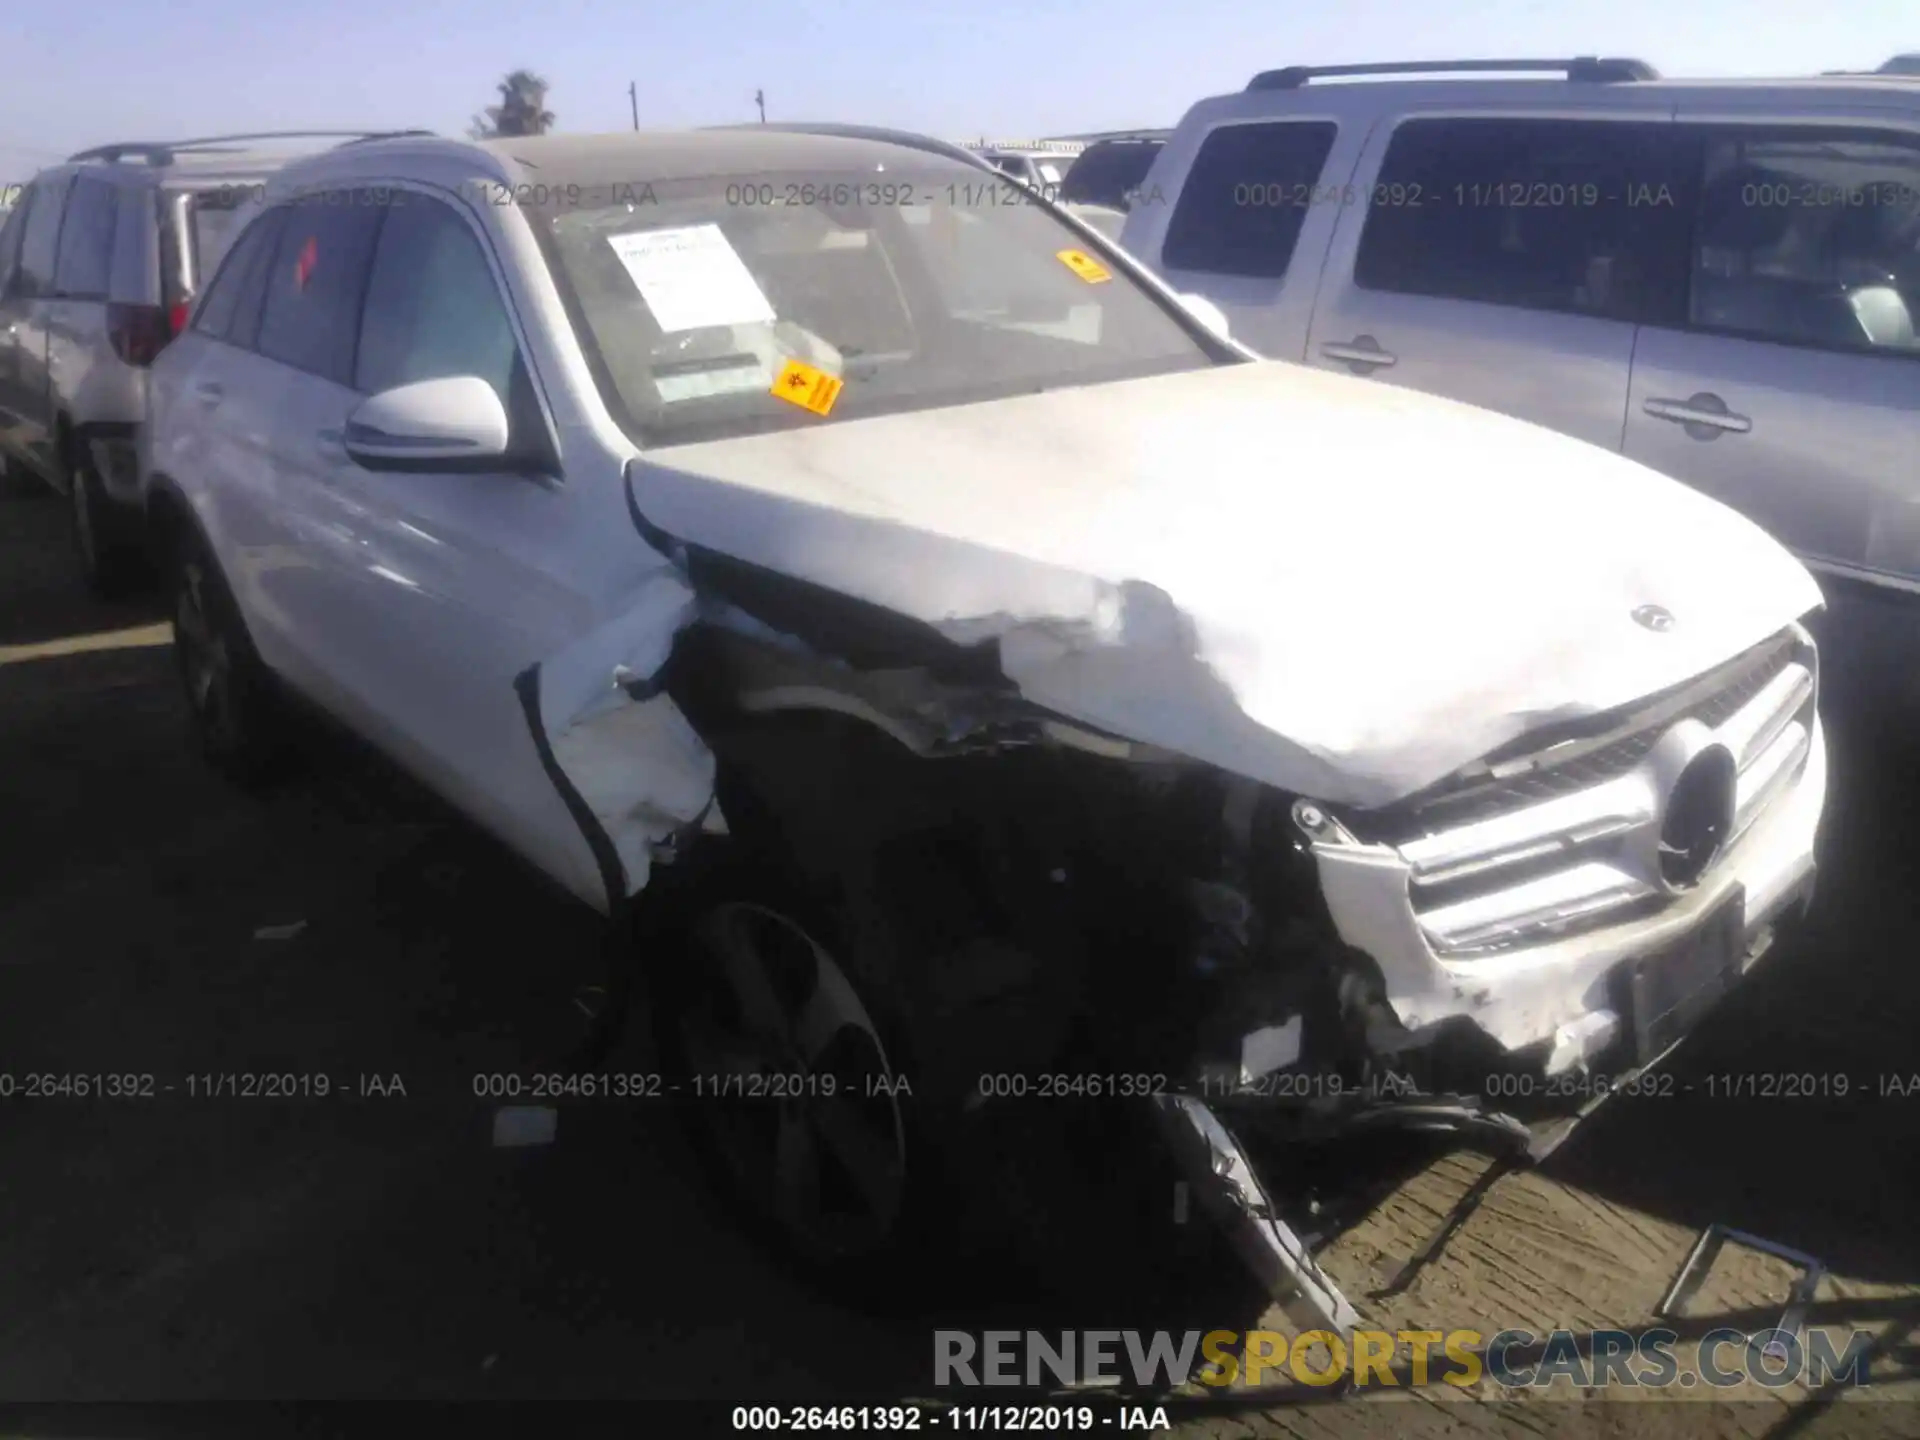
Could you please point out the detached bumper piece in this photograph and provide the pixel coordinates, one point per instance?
(1230, 1192)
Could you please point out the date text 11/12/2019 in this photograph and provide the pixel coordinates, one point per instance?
(202, 1085)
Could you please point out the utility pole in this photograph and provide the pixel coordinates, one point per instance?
(633, 99)
(760, 99)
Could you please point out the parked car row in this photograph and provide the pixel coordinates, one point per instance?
(1718, 279)
(943, 653)
(102, 258)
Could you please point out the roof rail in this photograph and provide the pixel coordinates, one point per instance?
(1584, 69)
(161, 152)
(390, 135)
(906, 138)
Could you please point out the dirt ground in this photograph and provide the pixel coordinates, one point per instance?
(376, 1245)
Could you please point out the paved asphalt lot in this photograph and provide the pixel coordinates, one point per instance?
(380, 1247)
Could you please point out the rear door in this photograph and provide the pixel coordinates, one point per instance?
(1505, 261)
(288, 404)
(12, 306)
(88, 383)
(28, 311)
(1787, 382)
(194, 435)
(1250, 223)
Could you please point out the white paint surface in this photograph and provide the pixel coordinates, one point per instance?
(1342, 589)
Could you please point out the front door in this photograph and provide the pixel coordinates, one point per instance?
(1789, 387)
(1503, 262)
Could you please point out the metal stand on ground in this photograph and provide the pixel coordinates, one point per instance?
(1707, 1249)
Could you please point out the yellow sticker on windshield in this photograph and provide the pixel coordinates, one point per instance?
(800, 384)
(1085, 266)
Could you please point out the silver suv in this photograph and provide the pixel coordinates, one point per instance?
(1718, 278)
(100, 260)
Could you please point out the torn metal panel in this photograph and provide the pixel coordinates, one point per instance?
(1335, 588)
(628, 763)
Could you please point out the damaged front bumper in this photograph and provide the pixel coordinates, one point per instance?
(1514, 1044)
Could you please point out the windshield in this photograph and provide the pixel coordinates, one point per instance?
(881, 292)
(1104, 174)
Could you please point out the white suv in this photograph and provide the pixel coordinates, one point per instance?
(99, 261)
(1022, 681)
(1716, 278)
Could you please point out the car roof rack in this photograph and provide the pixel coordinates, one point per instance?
(162, 152)
(1584, 69)
(906, 138)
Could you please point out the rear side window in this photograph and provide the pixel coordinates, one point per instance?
(86, 241)
(216, 313)
(433, 309)
(316, 281)
(210, 216)
(37, 244)
(1810, 238)
(1245, 198)
(1575, 216)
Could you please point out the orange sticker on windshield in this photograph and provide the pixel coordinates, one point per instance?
(1084, 265)
(800, 384)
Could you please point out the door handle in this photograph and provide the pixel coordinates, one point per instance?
(1705, 416)
(208, 393)
(1363, 352)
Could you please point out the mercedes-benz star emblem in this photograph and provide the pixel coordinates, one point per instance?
(1656, 618)
(1699, 816)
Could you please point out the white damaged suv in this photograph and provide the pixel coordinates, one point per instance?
(969, 675)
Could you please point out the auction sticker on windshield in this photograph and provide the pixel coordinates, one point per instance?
(1084, 265)
(691, 278)
(807, 387)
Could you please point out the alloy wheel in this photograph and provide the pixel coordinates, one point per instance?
(795, 1082)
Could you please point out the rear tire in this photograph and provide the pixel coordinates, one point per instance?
(111, 560)
(237, 718)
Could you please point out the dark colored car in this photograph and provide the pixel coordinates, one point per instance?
(1108, 171)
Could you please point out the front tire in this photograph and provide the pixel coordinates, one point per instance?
(794, 1079)
(235, 716)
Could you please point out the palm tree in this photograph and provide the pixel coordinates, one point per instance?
(522, 109)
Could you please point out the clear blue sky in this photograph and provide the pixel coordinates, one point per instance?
(86, 71)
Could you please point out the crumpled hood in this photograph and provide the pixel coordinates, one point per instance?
(1335, 586)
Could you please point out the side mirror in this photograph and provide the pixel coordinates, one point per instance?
(456, 423)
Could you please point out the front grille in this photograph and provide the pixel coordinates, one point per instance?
(1552, 834)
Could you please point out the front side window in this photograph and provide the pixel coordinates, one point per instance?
(915, 289)
(1562, 215)
(42, 234)
(85, 259)
(1810, 238)
(1245, 198)
(315, 281)
(433, 309)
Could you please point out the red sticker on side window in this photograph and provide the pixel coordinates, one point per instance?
(303, 268)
